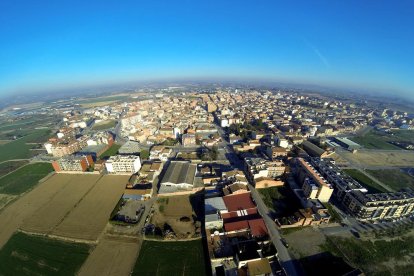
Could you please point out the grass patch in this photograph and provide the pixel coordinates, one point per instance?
(370, 255)
(10, 166)
(335, 217)
(113, 150)
(171, 258)
(30, 255)
(280, 200)
(371, 185)
(394, 178)
(269, 195)
(144, 154)
(375, 139)
(24, 178)
(104, 125)
(18, 149)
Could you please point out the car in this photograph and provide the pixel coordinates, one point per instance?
(284, 242)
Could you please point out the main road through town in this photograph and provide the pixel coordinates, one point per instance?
(291, 266)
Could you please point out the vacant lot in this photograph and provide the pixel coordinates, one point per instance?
(380, 140)
(89, 217)
(112, 256)
(395, 179)
(111, 151)
(171, 258)
(379, 158)
(371, 185)
(29, 255)
(24, 178)
(104, 125)
(280, 200)
(18, 149)
(177, 212)
(10, 166)
(74, 187)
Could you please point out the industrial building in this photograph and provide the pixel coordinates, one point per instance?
(180, 175)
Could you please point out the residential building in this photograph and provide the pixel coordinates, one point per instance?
(123, 164)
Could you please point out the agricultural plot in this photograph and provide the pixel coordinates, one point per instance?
(24, 178)
(112, 256)
(13, 216)
(19, 149)
(10, 166)
(368, 183)
(30, 255)
(45, 219)
(395, 178)
(171, 258)
(380, 158)
(88, 218)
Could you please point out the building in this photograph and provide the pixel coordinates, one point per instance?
(130, 148)
(123, 164)
(348, 144)
(188, 140)
(179, 176)
(314, 185)
(313, 150)
(276, 152)
(73, 163)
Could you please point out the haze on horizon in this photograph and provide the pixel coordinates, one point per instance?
(46, 45)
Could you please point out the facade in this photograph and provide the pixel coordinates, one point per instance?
(314, 185)
(73, 163)
(123, 164)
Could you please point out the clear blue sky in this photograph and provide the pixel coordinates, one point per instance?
(46, 45)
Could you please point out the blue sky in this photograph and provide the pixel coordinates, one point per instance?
(48, 45)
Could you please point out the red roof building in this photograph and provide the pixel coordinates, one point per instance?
(236, 202)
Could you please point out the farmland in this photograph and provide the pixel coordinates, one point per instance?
(30, 255)
(368, 183)
(367, 159)
(394, 178)
(80, 209)
(19, 149)
(112, 256)
(380, 140)
(172, 258)
(55, 203)
(10, 166)
(24, 178)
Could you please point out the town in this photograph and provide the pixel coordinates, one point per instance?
(240, 181)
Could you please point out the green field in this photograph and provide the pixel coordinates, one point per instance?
(30, 255)
(18, 149)
(379, 140)
(110, 152)
(269, 195)
(368, 183)
(380, 257)
(104, 125)
(171, 258)
(394, 178)
(24, 178)
(10, 166)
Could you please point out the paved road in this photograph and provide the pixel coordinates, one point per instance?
(290, 265)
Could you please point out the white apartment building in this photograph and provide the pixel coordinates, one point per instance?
(123, 164)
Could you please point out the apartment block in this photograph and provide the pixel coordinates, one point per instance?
(73, 163)
(123, 164)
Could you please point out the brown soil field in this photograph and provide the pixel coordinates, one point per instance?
(88, 219)
(112, 256)
(12, 216)
(169, 210)
(50, 215)
(305, 242)
(382, 158)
